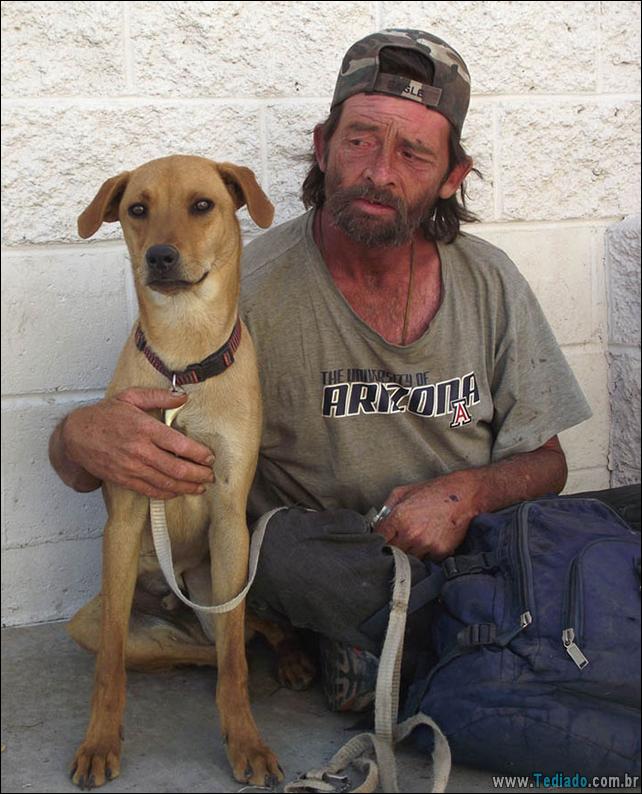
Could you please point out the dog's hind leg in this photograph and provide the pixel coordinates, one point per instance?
(294, 668)
(158, 639)
(98, 757)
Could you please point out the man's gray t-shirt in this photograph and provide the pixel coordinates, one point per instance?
(349, 416)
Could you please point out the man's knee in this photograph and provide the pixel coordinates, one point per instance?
(275, 559)
(302, 542)
(315, 564)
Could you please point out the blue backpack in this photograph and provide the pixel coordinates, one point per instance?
(536, 632)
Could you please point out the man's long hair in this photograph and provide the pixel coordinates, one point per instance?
(448, 214)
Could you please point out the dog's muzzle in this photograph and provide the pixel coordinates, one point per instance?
(165, 272)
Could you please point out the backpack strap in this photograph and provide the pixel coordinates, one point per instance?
(462, 564)
(422, 593)
(429, 588)
(477, 634)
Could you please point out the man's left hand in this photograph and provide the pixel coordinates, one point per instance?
(429, 518)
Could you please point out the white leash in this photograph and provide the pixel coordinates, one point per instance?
(374, 752)
(164, 553)
(163, 546)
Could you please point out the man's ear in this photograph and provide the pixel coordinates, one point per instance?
(455, 178)
(242, 184)
(104, 207)
(320, 147)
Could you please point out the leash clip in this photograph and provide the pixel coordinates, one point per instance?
(319, 782)
(169, 414)
(176, 388)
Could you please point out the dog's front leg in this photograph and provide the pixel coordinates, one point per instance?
(252, 761)
(98, 757)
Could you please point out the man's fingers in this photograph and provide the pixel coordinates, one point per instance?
(161, 485)
(147, 399)
(175, 468)
(398, 495)
(179, 444)
(387, 527)
(142, 487)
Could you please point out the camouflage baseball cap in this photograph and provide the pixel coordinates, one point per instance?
(448, 93)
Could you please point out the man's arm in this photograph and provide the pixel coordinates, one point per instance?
(116, 440)
(432, 518)
(69, 472)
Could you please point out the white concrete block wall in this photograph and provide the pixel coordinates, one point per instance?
(623, 277)
(92, 88)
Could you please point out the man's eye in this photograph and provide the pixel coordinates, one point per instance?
(415, 160)
(202, 205)
(137, 210)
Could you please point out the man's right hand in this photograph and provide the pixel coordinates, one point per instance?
(115, 440)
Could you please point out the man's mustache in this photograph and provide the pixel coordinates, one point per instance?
(343, 196)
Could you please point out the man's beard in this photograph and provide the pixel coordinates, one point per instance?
(372, 230)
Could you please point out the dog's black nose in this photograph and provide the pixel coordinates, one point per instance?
(162, 258)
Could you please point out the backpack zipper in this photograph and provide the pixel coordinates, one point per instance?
(573, 618)
(524, 569)
(574, 612)
(572, 649)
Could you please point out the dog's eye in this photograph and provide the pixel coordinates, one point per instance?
(137, 210)
(202, 205)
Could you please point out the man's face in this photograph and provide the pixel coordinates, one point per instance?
(385, 167)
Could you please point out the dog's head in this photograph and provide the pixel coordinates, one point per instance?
(178, 218)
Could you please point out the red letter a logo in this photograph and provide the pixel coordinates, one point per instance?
(460, 413)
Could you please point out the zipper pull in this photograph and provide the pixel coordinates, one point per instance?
(573, 650)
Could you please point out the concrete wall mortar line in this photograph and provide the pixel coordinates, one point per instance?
(497, 180)
(376, 13)
(599, 304)
(66, 247)
(127, 47)
(45, 248)
(600, 37)
(71, 539)
(3, 523)
(125, 101)
(618, 347)
(263, 148)
(595, 346)
(566, 223)
(43, 399)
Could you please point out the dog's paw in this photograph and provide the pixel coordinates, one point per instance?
(254, 763)
(295, 669)
(95, 764)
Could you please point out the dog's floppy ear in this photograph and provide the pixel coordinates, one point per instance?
(104, 207)
(242, 184)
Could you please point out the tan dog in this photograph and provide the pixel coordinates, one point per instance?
(178, 218)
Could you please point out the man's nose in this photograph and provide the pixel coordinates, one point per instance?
(380, 171)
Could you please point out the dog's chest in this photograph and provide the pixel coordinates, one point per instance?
(206, 420)
(199, 418)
